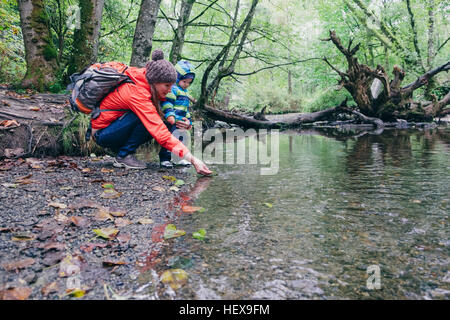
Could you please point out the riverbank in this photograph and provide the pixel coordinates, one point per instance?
(51, 210)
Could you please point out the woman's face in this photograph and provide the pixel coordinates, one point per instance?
(162, 89)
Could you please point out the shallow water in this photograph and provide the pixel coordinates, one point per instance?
(339, 205)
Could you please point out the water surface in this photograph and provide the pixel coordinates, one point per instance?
(339, 205)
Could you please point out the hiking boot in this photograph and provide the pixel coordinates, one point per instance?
(183, 162)
(129, 162)
(166, 165)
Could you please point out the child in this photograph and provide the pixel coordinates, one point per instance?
(176, 107)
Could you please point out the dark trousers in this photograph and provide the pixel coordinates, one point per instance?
(124, 135)
(164, 154)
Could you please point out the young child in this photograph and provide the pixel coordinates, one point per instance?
(176, 107)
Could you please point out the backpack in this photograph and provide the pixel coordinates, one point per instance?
(90, 86)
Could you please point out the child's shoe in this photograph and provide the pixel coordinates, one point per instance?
(183, 162)
(166, 164)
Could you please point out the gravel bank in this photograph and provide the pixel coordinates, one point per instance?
(49, 209)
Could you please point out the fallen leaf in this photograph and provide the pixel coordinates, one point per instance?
(160, 189)
(5, 103)
(267, 204)
(88, 247)
(18, 293)
(86, 170)
(173, 188)
(22, 236)
(49, 288)
(106, 233)
(103, 214)
(57, 205)
(179, 183)
(76, 292)
(145, 221)
(416, 201)
(79, 221)
(19, 264)
(11, 153)
(192, 209)
(124, 237)
(54, 245)
(104, 170)
(10, 185)
(117, 212)
(110, 194)
(9, 123)
(170, 178)
(109, 263)
(107, 185)
(175, 278)
(34, 108)
(84, 203)
(121, 222)
(172, 232)
(61, 218)
(200, 234)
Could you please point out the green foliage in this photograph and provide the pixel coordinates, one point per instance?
(328, 98)
(12, 53)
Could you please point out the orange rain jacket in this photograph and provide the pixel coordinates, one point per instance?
(137, 98)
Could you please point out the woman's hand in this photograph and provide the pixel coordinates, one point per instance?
(184, 124)
(199, 166)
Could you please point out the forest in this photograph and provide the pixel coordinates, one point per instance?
(385, 59)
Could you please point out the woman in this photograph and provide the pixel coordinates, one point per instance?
(126, 131)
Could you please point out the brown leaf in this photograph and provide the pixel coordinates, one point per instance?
(34, 108)
(121, 222)
(124, 237)
(11, 153)
(49, 288)
(18, 293)
(109, 263)
(79, 221)
(20, 264)
(103, 214)
(88, 247)
(22, 236)
(84, 203)
(4, 102)
(104, 170)
(54, 245)
(117, 212)
(110, 194)
(57, 205)
(61, 218)
(145, 221)
(9, 123)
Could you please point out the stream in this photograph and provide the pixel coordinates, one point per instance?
(343, 218)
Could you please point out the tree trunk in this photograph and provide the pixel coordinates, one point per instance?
(431, 49)
(180, 31)
(85, 39)
(40, 53)
(395, 101)
(143, 34)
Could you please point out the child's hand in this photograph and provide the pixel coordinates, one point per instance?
(184, 124)
(171, 120)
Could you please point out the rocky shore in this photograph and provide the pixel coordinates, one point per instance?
(78, 228)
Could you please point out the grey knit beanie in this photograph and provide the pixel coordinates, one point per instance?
(159, 70)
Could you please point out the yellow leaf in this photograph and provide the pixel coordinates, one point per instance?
(175, 278)
(106, 233)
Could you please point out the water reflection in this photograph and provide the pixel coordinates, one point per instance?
(339, 205)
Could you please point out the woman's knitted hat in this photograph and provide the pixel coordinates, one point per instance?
(159, 70)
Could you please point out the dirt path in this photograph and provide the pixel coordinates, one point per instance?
(50, 208)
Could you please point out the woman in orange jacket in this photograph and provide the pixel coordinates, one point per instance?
(125, 131)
